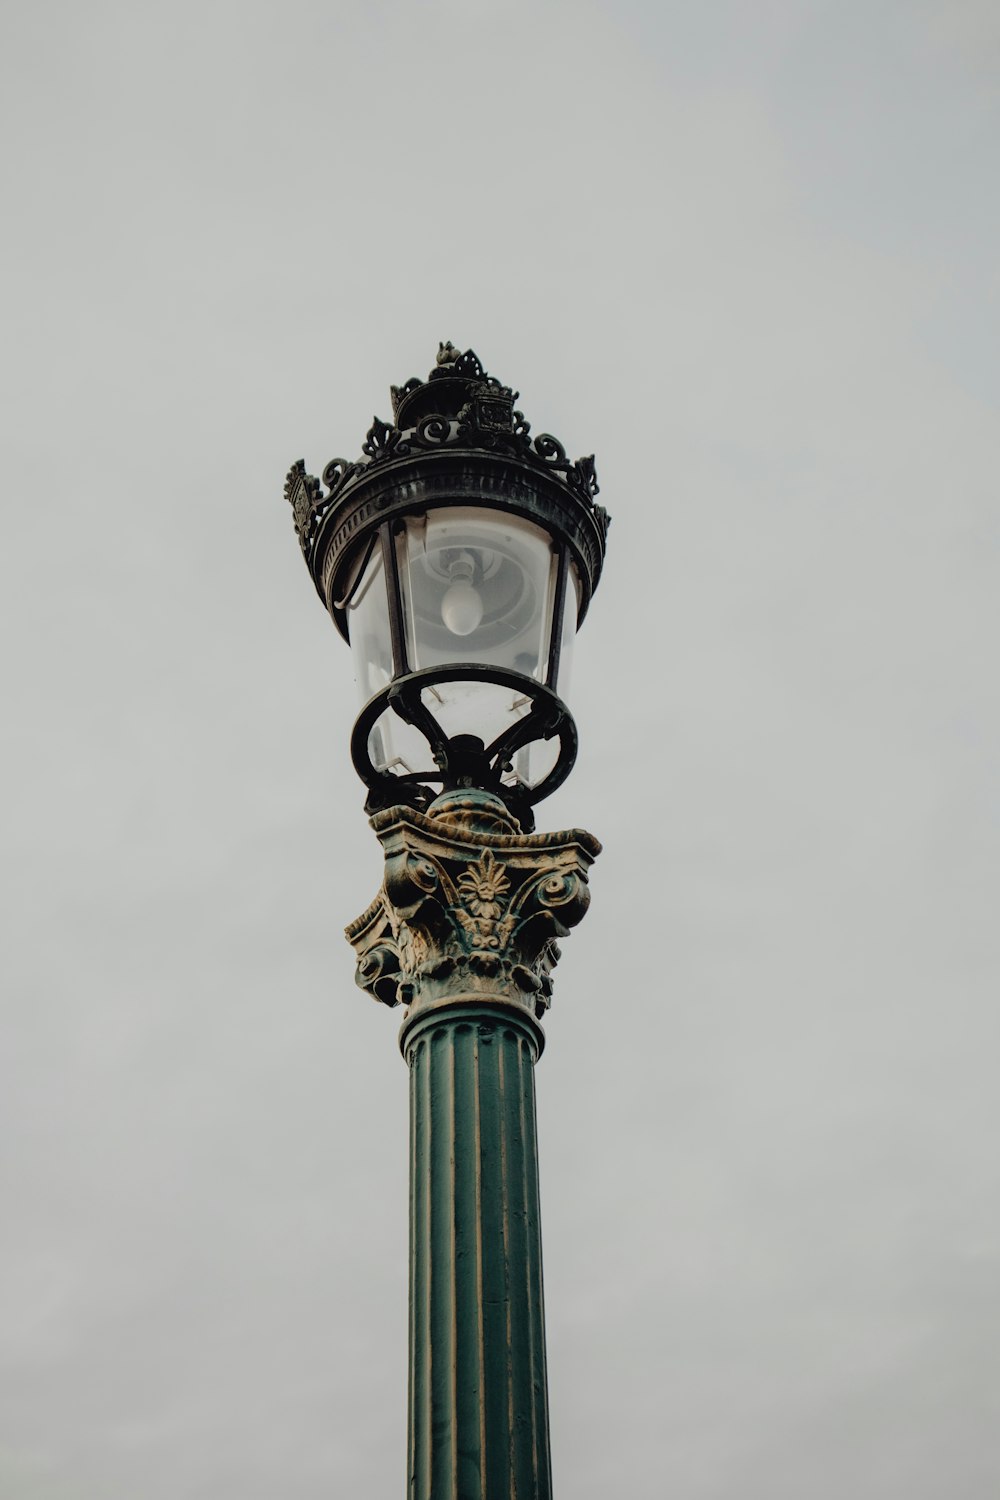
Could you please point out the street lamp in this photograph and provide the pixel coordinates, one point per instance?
(458, 557)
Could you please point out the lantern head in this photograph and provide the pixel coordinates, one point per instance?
(457, 556)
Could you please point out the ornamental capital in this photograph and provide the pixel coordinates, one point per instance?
(471, 908)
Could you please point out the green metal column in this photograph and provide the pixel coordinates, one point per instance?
(464, 934)
(478, 1401)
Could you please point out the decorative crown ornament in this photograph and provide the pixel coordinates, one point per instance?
(459, 406)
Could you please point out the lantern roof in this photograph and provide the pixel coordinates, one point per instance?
(456, 437)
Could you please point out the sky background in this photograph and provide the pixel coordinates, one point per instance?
(747, 254)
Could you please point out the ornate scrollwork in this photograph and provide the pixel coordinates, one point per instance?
(303, 492)
(550, 450)
(433, 432)
(299, 492)
(338, 472)
(467, 911)
(486, 420)
(382, 441)
(397, 392)
(586, 475)
(602, 518)
(469, 366)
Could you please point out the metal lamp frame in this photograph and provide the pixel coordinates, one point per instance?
(456, 440)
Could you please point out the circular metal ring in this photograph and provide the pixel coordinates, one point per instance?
(549, 718)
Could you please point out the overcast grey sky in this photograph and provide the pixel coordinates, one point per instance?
(748, 255)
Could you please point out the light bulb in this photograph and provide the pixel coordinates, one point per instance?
(461, 608)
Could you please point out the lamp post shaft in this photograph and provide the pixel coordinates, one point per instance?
(478, 1401)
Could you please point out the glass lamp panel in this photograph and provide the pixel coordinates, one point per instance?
(567, 628)
(396, 746)
(368, 628)
(478, 586)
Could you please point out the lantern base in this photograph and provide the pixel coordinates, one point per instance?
(464, 760)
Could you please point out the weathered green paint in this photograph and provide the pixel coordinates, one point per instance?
(478, 1399)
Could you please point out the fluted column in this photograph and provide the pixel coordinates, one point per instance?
(478, 1401)
(464, 933)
